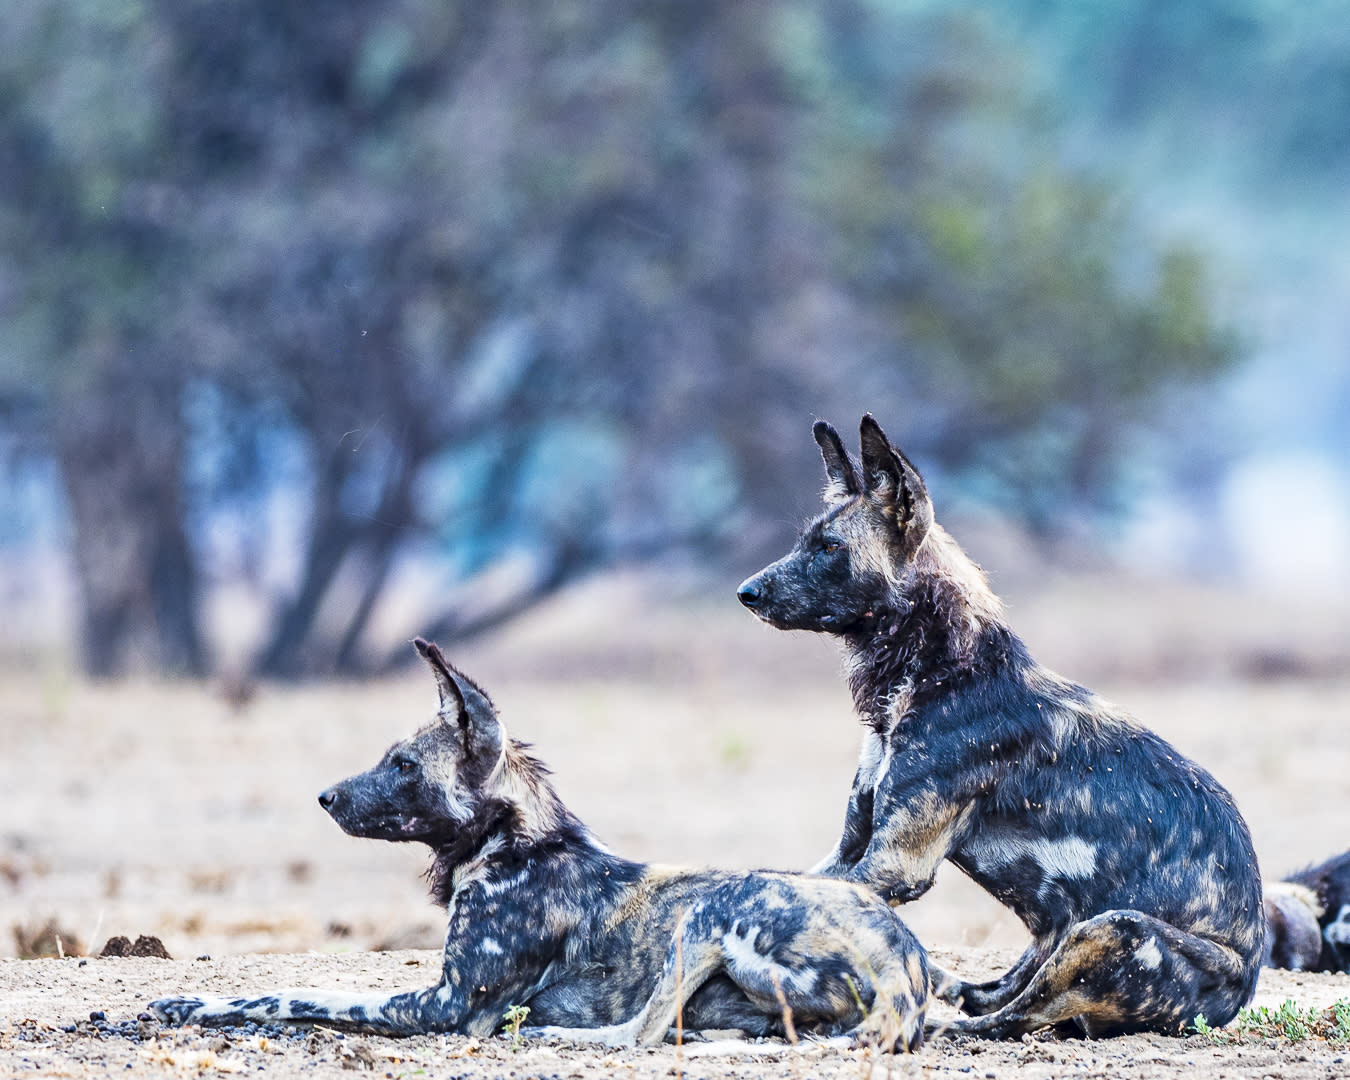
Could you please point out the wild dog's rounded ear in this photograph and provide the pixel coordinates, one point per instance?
(889, 476)
(843, 478)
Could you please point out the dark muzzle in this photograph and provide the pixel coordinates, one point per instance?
(752, 592)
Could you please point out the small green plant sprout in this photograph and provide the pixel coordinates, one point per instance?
(1287, 1021)
(735, 751)
(1338, 1015)
(514, 1017)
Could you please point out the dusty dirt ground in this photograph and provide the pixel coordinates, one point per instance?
(45, 998)
(680, 731)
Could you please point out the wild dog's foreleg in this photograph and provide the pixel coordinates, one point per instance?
(914, 828)
(858, 817)
(976, 999)
(1120, 972)
(398, 1014)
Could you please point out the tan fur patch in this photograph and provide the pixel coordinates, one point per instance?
(514, 780)
(914, 841)
(1300, 894)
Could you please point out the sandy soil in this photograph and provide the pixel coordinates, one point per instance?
(680, 733)
(46, 1032)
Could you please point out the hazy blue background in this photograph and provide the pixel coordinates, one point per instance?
(308, 306)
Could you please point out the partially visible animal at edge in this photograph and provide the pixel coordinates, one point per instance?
(1308, 918)
(1129, 864)
(598, 948)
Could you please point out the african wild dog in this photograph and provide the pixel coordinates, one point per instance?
(541, 915)
(1293, 928)
(1308, 914)
(1129, 864)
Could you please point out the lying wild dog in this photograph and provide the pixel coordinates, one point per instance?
(1308, 915)
(1129, 864)
(1293, 928)
(600, 948)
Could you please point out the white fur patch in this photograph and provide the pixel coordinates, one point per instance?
(501, 885)
(491, 946)
(456, 807)
(475, 869)
(1071, 857)
(1286, 894)
(741, 954)
(1338, 932)
(835, 492)
(1149, 955)
(870, 757)
(740, 948)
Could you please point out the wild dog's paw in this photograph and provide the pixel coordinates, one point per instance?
(553, 1032)
(177, 1010)
(945, 986)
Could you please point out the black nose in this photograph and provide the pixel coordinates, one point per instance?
(749, 593)
(328, 798)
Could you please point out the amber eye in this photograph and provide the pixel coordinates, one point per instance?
(406, 765)
(830, 547)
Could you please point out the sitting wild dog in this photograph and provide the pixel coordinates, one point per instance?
(604, 949)
(1129, 864)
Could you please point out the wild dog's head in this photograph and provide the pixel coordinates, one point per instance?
(849, 560)
(433, 785)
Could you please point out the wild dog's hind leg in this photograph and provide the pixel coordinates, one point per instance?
(1124, 971)
(867, 979)
(689, 964)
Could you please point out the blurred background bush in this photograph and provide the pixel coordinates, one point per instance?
(307, 305)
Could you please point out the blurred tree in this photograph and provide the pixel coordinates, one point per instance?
(88, 364)
(541, 285)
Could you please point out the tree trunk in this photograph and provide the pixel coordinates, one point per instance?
(120, 446)
(330, 541)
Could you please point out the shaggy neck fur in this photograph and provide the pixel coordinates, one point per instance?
(940, 622)
(519, 817)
